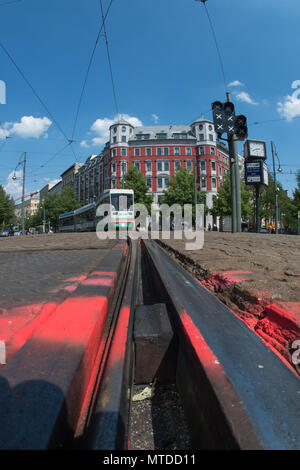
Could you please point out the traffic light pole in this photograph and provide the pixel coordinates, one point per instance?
(23, 194)
(235, 180)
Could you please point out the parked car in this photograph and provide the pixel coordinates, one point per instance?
(264, 230)
(4, 232)
(17, 233)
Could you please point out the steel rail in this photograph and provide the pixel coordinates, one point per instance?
(237, 392)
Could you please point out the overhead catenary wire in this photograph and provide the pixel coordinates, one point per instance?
(33, 90)
(88, 70)
(109, 60)
(216, 43)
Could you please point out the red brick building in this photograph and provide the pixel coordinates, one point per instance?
(157, 151)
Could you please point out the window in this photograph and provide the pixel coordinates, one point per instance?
(123, 129)
(213, 165)
(123, 138)
(188, 151)
(213, 183)
(203, 181)
(123, 168)
(148, 152)
(113, 183)
(212, 150)
(158, 152)
(139, 137)
(177, 164)
(115, 140)
(124, 152)
(166, 151)
(114, 152)
(113, 167)
(137, 165)
(161, 135)
(149, 182)
(211, 137)
(115, 129)
(201, 127)
(163, 182)
(201, 136)
(163, 166)
(189, 165)
(202, 150)
(176, 151)
(210, 127)
(136, 152)
(203, 165)
(148, 167)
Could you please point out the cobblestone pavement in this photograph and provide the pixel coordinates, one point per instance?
(273, 260)
(42, 270)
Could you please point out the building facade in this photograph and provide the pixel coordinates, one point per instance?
(30, 207)
(156, 151)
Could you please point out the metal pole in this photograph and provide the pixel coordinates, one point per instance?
(257, 188)
(235, 181)
(275, 189)
(23, 194)
(195, 189)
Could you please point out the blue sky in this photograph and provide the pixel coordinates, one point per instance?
(165, 68)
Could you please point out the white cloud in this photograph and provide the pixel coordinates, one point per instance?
(101, 129)
(29, 126)
(155, 117)
(244, 96)
(290, 107)
(236, 83)
(14, 187)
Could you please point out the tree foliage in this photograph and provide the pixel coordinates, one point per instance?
(53, 206)
(222, 201)
(135, 180)
(182, 190)
(7, 213)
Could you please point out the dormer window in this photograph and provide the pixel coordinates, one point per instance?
(115, 129)
(161, 135)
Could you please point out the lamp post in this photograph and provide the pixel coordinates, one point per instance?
(275, 184)
(23, 191)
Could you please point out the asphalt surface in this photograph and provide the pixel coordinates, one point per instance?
(33, 267)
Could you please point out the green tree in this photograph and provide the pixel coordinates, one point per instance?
(135, 180)
(7, 213)
(222, 200)
(53, 206)
(182, 190)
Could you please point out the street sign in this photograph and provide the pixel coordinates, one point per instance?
(256, 172)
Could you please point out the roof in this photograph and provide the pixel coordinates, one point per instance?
(169, 130)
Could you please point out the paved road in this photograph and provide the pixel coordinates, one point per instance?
(39, 272)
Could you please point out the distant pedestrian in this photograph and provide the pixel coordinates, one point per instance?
(209, 227)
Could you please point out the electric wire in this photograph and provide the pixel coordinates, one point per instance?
(32, 89)
(217, 46)
(88, 71)
(109, 60)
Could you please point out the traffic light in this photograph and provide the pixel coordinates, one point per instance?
(240, 127)
(218, 118)
(229, 117)
(224, 117)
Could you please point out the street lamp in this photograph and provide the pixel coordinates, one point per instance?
(279, 169)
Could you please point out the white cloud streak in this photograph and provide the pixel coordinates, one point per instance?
(101, 129)
(244, 96)
(28, 126)
(236, 83)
